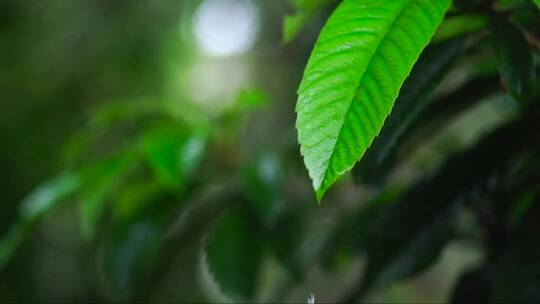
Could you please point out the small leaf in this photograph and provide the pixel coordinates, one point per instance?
(414, 97)
(293, 24)
(363, 55)
(537, 2)
(306, 9)
(514, 59)
(234, 253)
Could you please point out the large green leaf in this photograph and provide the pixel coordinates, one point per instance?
(362, 57)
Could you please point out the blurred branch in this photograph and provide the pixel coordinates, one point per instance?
(201, 210)
(532, 39)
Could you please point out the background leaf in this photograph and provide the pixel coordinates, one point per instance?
(457, 26)
(424, 213)
(234, 254)
(305, 10)
(514, 59)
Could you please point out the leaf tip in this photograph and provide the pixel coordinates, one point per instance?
(319, 194)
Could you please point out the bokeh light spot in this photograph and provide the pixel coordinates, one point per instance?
(225, 28)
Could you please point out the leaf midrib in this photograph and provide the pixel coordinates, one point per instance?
(360, 81)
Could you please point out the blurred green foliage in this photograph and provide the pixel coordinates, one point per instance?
(135, 167)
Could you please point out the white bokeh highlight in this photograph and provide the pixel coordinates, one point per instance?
(225, 28)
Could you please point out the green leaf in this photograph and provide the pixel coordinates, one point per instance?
(234, 253)
(537, 2)
(514, 59)
(362, 57)
(414, 97)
